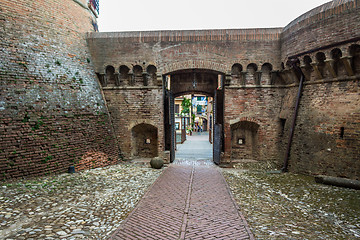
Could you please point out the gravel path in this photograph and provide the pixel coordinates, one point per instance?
(290, 206)
(85, 205)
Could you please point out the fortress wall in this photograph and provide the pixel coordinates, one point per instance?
(327, 139)
(327, 24)
(166, 49)
(52, 114)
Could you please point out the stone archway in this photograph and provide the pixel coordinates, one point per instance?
(144, 141)
(201, 81)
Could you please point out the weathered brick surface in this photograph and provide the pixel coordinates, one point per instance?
(130, 107)
(260, 90)
(49, 88)
(333, 22)
(176, 50)
(320, 146)
(52, 114)
(256, 105)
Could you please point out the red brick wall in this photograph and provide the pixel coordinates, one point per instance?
(318, 146)
(131, 106)
(330, 23)
(176, 50)
(330, 99)
(260, 106)
(52, 114)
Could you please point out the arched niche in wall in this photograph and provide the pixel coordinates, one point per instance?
(124, 75)
(337, 64)
(244, 140)
(251, 76)
(236, 70)
(354, 52)
(151, 75)
(266, 74)
(138, 79)
(144, 140)
(110, 75)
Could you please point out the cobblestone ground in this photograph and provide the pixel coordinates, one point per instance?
(290, 206)
(86, 205)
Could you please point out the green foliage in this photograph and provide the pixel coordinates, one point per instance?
(37, 125)
(186, 104)
(22, 64)
(26, 118)
(57, 62)
(47, 158)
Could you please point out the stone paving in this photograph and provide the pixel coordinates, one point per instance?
(86, 205)
(93, 204)
(190, 200)
(292, 206)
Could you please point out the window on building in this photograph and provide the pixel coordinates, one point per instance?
(177, 108)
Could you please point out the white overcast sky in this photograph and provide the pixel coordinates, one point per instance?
(145, 15)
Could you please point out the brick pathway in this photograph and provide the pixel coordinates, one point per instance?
(190, 200)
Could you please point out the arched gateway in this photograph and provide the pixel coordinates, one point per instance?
(93, 94)
(255, 90)
(212, 63)
(189, 81)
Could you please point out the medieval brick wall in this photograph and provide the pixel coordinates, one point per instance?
(213, 51)
(130, 107)
(260, 106)
(330, 23)
(327, 138)
(326, 41)
(52, 114)
(170, 51)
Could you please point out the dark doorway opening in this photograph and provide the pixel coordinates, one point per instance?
(202, 82)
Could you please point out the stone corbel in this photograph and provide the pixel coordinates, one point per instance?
(131, 78)
(159, 80)
(228, 78)
(346, 61)
(146, 78)
(257, 77)
(103, 79)
(293, 76)
(117, 79)
(317, 71)
(243, 78)
(273, 76)
(329, 64)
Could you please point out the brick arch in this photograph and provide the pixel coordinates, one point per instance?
(245, 119)
(244, 139)
(194, 64)
(141, 121)
(144, 140)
